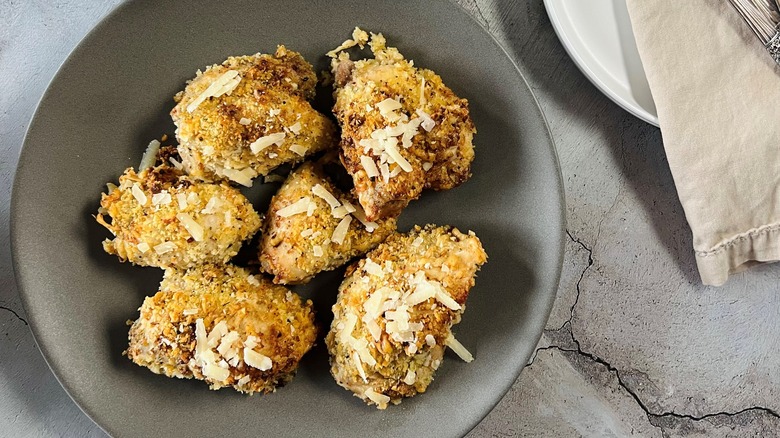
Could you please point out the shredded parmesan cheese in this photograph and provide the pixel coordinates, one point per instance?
(388, 107)
(243, 176)
(250, 342)
(458, 348)
(427, 122)
(374, 329)
(339, 212)
(267, 140)
(395, 154)
(175, 163)
(341, 230)
(359, 366)
(215, 372)
(359, 38)
(317, 251)
(307, 232)
(182, 200)
(380, 399)
(194, 228)
(162, 198)
(217, 332)
(252, 280)
(143, 247)
(385, 171)
(138, 194)
(212, 205)
(244, 121)
(360, 215)
(373, 268)
(430, 340)
(427, 166)
(327, 196)
(296, 128)
(298, 207)
(257, 360)
(223, 84)
(150, 155)
(422, 93)
(164, 247)
(226, 345)
(188, 312)
(369, 166)
(298, 149)
(443, 297)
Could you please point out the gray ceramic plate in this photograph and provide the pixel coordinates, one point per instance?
(112, 96)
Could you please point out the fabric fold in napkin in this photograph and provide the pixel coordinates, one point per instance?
(717, 92)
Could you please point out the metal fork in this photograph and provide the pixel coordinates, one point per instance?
(763, 17)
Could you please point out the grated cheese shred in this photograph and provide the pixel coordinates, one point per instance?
(194, 228)
(267, 140)
(340, 233)
(225, 83)
(139, 194)
(298, 207)
(458, 348)
(321, 192)
(369, 166)
(299, 149)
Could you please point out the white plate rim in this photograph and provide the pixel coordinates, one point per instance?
(566, 36)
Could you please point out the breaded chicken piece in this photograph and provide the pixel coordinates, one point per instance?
(219, 324)
(249, 115)
(297, 245)
(160, 217)
(395, 310)
(402, 129)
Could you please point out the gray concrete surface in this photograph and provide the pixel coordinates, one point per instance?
(635, 345)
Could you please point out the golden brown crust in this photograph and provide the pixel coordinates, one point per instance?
(164, 337)
(271, 97)
(440, 158)
(404, 265)
(288, 243)
(230, 222)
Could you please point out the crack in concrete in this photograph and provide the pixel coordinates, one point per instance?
(582, 275)
(635, 396)
(15, 314)
(578, 350)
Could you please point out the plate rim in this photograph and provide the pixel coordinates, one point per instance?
(14, 217)
(552, 8)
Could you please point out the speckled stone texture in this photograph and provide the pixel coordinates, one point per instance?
(635, 346)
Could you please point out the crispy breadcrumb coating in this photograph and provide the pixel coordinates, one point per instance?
(387, 107)
(395, 310)
(295, 248)
(160, 217)
(222, 325)
(227, 134)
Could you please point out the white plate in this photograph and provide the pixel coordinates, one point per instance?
(597, 35)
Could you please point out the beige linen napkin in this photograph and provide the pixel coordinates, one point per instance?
(717, 92)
